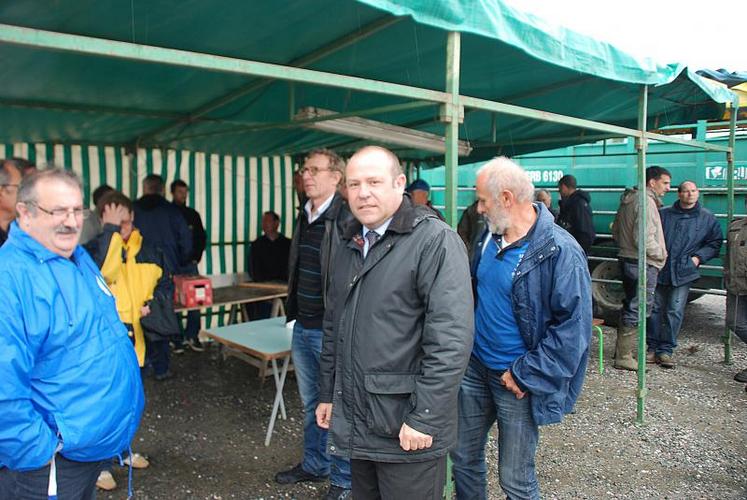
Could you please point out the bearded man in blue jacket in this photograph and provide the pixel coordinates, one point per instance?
(532, 328)
(71, 395)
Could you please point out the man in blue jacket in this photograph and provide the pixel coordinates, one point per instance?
(71, 395)
(693, 237)
(532, 328)
(163, 225)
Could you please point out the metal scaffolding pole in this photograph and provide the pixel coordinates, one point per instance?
(450, 114)
(730, 206)
(641, 146)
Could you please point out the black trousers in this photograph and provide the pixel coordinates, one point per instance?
(75, 481)
(407, 481)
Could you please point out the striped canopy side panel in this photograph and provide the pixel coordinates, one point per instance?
(230, 192)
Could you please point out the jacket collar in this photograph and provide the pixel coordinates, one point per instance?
(332, 211)
(21, 239)
(678, 208)
(651, 194)
(404, 219)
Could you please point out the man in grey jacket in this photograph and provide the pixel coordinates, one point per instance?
(625, 232)
(397, 336)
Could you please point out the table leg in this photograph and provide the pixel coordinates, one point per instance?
(232, 316)
(277, 308)
(279, 382)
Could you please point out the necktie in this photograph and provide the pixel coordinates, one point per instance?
(372, 237)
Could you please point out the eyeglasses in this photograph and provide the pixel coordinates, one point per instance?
(313, 171)
(64, 213)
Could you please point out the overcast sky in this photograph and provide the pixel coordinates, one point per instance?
(703, 34)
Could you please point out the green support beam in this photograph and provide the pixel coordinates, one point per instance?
(641, 146)
(510, 109)
(730, 206)
(66, 42)
(450, 114)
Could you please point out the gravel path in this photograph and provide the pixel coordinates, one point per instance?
(204, 430)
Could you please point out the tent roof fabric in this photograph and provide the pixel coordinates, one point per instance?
(506, 56)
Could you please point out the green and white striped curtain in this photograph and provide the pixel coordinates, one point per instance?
(230, 192)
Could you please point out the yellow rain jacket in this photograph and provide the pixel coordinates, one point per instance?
(135, 272)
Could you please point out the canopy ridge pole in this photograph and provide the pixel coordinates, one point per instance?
(730, 205)
(451, 113)
(305, 60)
(641, 147)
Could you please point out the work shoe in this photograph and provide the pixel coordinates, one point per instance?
(297, 475)
(195, 345)
(626, 339)
(650, 357)
(138, 461)
(337, 493)
(741, 377)
(177, 347)
(106, 481)
(665, 360)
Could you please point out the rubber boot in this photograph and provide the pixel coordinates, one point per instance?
(626, 340)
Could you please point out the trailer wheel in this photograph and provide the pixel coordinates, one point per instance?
(608, 297)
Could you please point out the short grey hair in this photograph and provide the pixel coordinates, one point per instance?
(5, 168)
(27, 191)
(504, 174)
(541, 191)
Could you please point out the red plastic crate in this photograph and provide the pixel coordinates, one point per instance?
(193, 291)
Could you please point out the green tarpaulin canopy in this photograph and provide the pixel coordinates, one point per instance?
(78, 94)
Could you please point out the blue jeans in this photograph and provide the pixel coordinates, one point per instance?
(482, 401)
(306, 350)
(666, 318)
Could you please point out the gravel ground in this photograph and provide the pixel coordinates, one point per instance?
(204, 430)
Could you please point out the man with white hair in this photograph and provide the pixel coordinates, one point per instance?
(532, 328)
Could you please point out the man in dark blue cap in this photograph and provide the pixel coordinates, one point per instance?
(420, 193)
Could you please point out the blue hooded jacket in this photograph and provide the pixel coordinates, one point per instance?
(70, 378)
(551, 301)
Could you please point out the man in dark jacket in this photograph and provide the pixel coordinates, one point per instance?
(532, 328)
(179, 192)
(310, 267)
(693, 237)
(397, 337)
(268, 258)
(162, 224)
(471, 226)
(575, 212)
